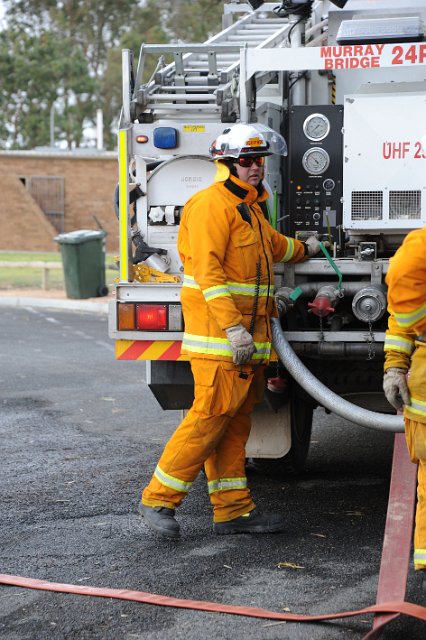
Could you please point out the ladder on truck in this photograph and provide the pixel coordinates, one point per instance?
(204, 78)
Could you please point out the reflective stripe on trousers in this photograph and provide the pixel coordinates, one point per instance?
(227, 484)
(214, 434)
(171, 482)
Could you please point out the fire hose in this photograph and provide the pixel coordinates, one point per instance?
(393, 572)
(407, 608)
(397, 532)
(326, 397)
(387, 610)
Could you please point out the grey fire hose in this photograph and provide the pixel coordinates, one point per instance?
(321, 393)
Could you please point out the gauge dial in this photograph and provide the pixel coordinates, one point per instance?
(329, 184)
(316, 126)
(315, 161)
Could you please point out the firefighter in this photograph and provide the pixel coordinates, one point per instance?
(405, 351)
(228, 248)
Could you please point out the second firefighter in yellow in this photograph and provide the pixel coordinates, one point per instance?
(405, 349)
(228, 249)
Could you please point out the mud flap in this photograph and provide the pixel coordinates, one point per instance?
(270, 435)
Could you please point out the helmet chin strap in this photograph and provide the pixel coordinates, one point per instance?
(233, 170)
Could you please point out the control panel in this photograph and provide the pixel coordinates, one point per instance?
(315, 169)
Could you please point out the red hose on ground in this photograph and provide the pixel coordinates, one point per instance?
(398, 534)
(392, 580)
(407, 608)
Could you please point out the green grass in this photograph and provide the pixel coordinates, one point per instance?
(22, 277)
(27, 256)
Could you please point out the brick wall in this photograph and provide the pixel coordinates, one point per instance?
(89, 183)
(23, 225)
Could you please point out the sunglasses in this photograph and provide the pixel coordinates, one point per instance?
(247, 161)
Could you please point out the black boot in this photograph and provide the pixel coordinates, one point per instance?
(161, 520)
(254, 522)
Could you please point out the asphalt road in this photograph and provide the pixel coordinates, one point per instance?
(80, 435)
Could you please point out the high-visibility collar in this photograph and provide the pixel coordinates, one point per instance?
(244, 191)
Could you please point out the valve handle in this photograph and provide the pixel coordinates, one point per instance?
(321, 307)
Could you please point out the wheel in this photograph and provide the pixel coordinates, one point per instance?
(103, 291)
(302, 411)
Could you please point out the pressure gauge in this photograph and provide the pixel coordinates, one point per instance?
(315, 161)
(316, 127)
(328, 184)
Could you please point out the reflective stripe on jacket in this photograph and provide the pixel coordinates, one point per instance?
(402, 350)
(406, 280)
(222, 256)
(417, 385)
(399, 345)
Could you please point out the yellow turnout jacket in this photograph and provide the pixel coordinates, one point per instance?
(406, 280)
(228, 264)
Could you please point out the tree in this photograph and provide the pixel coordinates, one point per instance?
(82, 31)
(193, 21)
(88, 36)
(93, 25)
(67, 53)
(37, 71)
(146, 27)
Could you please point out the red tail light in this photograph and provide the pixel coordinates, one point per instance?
(151, 317)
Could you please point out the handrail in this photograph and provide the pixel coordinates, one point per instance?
(36, 264)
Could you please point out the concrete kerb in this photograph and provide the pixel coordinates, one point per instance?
(58, 304)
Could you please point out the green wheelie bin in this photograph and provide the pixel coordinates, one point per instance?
(83, 261)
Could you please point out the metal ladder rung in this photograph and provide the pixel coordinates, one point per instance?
(188, 107)
(247, 39)
(275, 20)
(219, 56)
(183, 82)
(200, 65)
(264, 31)
(204, 59)
(266, 28)
(188, 87)
(202, 71)
(188, 97)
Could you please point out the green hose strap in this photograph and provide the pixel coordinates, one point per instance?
(274, 216)
(333, 264)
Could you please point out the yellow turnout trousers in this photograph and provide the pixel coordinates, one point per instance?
(415, 433)
(214, 434)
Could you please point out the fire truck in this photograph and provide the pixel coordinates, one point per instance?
(344, 82)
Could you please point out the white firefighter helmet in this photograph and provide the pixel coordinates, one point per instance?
(247, 140)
